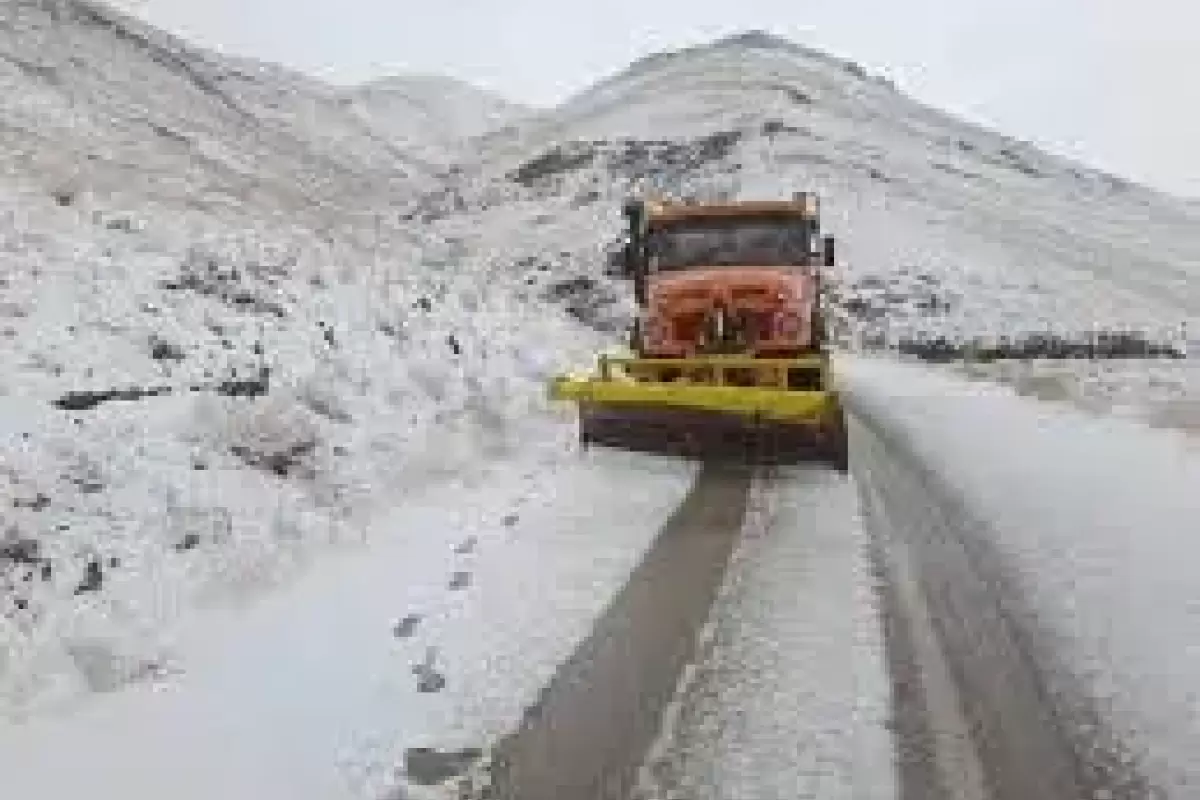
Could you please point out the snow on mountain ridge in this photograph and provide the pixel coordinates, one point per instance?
(433, 114)
(154, 108)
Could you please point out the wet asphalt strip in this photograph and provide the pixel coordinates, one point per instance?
(586, 736)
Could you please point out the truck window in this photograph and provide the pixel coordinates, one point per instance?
(768, 243)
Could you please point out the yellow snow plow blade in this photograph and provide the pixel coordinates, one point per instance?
(779, 404)
(782, 389)
(710, 407)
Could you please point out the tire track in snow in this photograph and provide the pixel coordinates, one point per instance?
(790, 696)
(990, 729)
(586, 735)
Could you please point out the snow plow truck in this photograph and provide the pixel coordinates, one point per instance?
(727, 357)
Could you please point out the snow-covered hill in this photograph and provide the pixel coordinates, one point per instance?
(223, 347)
(432, 113)
(100, 102)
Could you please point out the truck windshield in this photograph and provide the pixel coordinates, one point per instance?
(768, 243)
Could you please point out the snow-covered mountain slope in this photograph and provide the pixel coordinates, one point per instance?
(429, 113)
(98, 102)
(222, 348)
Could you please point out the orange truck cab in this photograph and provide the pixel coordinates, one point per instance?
(741, 278)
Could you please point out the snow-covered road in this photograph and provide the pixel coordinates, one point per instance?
(790, 697)
(1054, 548)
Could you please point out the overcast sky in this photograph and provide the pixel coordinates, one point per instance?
(1107, 82)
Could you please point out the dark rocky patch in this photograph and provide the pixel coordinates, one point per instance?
(122, 224)
(16, 549)
(1008, 157)
(425, 766)
(205, 275)
(633, 159)
(775, 127)
(627, 158)
(795, 95)
(1094, 345)
(258, 386)
(586, 198)
(164, 132)
(39, 502)
(872, 297)
(953, 170)
(36, 71)
(190, 541)
(162, 350)
(586, 299)
(559, 160)
(87, 400)
(460, 579)
(280, 461)
(86, 477)
(93, 577)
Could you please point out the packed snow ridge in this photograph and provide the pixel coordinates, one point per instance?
(245, 312)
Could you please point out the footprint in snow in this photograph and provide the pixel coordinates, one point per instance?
(407, 626)
(429, 680)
